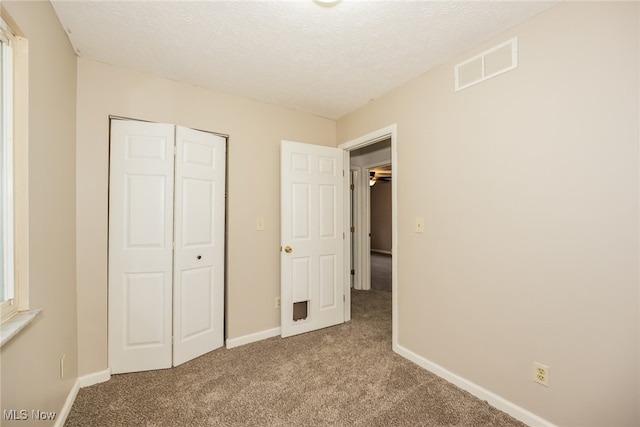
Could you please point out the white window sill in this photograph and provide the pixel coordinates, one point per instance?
(13, 325)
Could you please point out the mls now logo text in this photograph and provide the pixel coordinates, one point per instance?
(23, 415)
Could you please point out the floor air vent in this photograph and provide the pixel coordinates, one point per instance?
(489, 63)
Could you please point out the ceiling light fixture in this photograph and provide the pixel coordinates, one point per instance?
(372, 179)
(327, 3)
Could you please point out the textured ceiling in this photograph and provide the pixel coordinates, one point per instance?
(298, 54)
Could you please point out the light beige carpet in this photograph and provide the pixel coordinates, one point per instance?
(345, 375)
(380, 271)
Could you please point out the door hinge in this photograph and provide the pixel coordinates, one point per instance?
(353, 229)
(352, 187)
(353, 272)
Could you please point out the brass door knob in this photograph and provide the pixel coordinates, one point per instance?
(288, 249)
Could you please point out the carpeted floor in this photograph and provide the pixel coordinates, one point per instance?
(345, 375)
(380, 271)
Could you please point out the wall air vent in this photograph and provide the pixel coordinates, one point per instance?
(489, 63)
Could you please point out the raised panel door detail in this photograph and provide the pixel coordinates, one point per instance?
(327, 211)
(145, 207)
(197, 212)
(328, 281)
(196, 301)
(327, 166)
(145, 309)
(300, 194)
(145, 147)
(300, 162)
(198, 154)
(301, 278)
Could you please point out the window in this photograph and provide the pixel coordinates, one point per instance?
(8, 304)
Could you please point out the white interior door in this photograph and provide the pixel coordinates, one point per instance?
(198, 315)
(140, 245)
(312, 235)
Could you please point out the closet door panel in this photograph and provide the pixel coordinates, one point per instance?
(199, 249)
(140, 245)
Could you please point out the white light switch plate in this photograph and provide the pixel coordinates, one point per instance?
(419, 225)
(259, 224)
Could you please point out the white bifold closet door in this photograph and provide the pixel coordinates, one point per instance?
(166, 245)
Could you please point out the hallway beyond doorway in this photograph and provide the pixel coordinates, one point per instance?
(380, 271)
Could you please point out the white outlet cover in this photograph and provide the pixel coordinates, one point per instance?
(541, 374)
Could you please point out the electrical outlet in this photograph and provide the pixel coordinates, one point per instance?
(278, 303)
(541, 374)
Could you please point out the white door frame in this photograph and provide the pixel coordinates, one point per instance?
(356, 222)
(368, 139)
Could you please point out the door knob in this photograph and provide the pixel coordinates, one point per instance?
(288, 249)
(199, 257)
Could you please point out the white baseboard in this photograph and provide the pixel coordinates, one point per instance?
(258, 336)
(83, 381)
(94, 378)
(61, 417)
(481, 393)
(382, 251)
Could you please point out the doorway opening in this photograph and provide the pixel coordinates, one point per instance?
(370, 209)
(363, 154)
(380, 253)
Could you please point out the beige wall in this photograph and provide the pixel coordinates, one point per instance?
(255, 130)
(30, 363)
(528, 184)
(380, 203)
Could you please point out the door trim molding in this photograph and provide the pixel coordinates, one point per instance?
(387, 132)
(356, 204)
